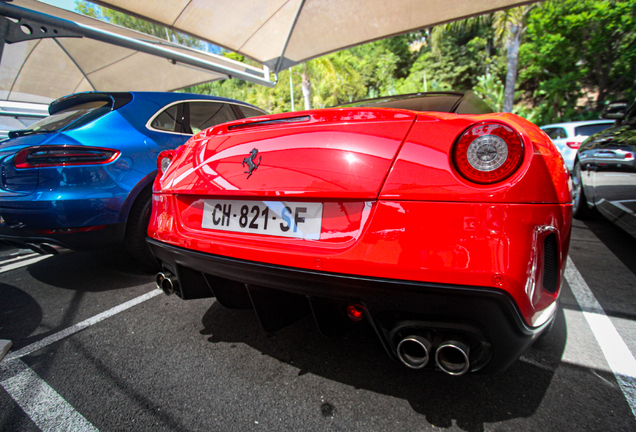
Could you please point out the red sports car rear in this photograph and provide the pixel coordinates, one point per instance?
(444, 227)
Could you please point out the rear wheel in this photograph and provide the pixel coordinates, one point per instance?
(580, 209)
(136, 231)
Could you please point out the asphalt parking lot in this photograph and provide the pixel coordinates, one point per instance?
(97, 347)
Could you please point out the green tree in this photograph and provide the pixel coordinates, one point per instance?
(491, 90)
(578, 54)
(335, 80)
(509, 26)
(456, 54)
(503, 29)
(381, 64)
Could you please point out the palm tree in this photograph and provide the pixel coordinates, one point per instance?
(509, 26)
(331, 79)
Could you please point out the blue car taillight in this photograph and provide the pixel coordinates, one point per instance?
(63, 155)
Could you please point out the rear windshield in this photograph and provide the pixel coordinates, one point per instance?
(9, 123)
(251, 112)
(588, 130)
(428, 103)
(460, 103)
(64, 118)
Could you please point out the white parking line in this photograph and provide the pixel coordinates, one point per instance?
(21, 262)
(616, 352)
(18, 258)
(44, 406)
(82, 325)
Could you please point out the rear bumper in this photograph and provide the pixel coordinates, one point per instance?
(27, 221)
(487, 318)
(108, 236)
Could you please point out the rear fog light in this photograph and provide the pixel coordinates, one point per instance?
(355, 312)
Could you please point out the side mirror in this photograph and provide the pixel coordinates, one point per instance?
(615, 110)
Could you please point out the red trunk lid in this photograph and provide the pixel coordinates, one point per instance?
(333, 153)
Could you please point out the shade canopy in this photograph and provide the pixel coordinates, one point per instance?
(281, 33)
(89, 54)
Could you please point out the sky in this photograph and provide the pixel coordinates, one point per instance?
(64, 4)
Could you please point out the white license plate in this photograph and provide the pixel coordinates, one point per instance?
(275, 218)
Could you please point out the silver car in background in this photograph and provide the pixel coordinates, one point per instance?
(568, 136)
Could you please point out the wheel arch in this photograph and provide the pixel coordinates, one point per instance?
(144, 183)
(588, 189)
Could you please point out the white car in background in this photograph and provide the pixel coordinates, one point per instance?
(568, 136)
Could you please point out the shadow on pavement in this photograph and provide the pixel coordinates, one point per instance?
(93, 271)
(615, 239)
(358, 360)
(20, 313)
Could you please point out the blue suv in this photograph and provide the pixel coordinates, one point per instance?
(82, 177)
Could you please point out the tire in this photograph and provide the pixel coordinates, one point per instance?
(136, 232)
(580, 209)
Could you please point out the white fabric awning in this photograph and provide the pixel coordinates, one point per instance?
(281, 33)
(39, 70)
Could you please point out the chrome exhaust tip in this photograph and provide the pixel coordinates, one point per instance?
(166, 282)
(452, 357)
(36, 249)
(413, 351)
(49, 249)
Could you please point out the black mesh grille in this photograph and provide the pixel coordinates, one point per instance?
(550, 263)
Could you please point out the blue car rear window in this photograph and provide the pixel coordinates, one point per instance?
(70, 118)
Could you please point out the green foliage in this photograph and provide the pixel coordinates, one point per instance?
(380, 64)
(335, 80)
(366, 71)
(458, 57)
(490, 88)
(577, 55)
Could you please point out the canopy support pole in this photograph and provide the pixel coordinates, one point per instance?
(42, 25)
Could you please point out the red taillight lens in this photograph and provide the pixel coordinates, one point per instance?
(573, 145)
(164, 160)
(63, 155)
(488, 153)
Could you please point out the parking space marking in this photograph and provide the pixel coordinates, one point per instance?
(81, 326)
(18, 258)
(615, 350)
(22, 262)
(44, 406)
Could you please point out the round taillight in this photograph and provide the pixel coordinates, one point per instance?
(164, 160)
(488, 153)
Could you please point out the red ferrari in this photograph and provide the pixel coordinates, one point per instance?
(441, 224)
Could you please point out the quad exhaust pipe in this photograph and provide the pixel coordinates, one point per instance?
(167, 282)
(451, 356)
(413, 351)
